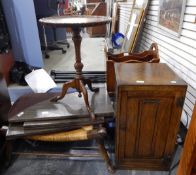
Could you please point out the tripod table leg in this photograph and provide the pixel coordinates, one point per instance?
(66, 86)
(105, 155)
(88, 82)
(85, 96)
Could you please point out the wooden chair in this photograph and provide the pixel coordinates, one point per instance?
(150, 56)
(84, 133)
(187, 164)
(97, 132)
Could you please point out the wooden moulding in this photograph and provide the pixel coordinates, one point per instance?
(187, 164)
(115, 18)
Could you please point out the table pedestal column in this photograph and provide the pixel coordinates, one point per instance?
(79, 81)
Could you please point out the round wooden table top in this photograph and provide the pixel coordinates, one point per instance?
(75, 21)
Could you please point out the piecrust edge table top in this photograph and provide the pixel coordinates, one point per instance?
(75, 21)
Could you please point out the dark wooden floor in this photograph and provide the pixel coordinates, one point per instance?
(61, 163)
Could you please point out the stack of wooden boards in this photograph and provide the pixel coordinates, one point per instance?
(36, 114)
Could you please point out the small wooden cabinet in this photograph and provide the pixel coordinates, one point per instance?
(149, 102)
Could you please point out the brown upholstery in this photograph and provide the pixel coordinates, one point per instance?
(150, 56)
(187, 164)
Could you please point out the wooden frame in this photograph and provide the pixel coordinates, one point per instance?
(171, 14)
(132, 29)
(187, 164)
(135, 25)
(115, 15)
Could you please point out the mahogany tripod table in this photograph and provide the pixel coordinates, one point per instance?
(76, 23)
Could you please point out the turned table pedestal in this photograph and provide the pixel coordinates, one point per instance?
(76, 23)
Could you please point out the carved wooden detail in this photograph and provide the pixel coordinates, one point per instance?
(150, 56)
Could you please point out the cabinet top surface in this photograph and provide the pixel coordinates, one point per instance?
(146, 74)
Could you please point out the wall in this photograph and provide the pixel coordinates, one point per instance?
(22, 26)
(124, 15)
(178, 52)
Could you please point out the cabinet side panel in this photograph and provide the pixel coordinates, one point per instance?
(131, 127)
(120, 125)
(162, 126)
(175, 120)
(147, 120)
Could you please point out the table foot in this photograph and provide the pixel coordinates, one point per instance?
(66, 86)
(80, 87)
(105, 155)
(85, 96)
(88, 82)
(8, 153)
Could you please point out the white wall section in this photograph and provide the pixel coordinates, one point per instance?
(124, 15)
(178, 52)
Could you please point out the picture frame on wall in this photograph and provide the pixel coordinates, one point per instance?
(171, 15)
(132, 29)
(135, 25)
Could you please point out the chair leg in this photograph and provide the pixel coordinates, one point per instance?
(173, 167)
(105, 155)
(8, 153)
